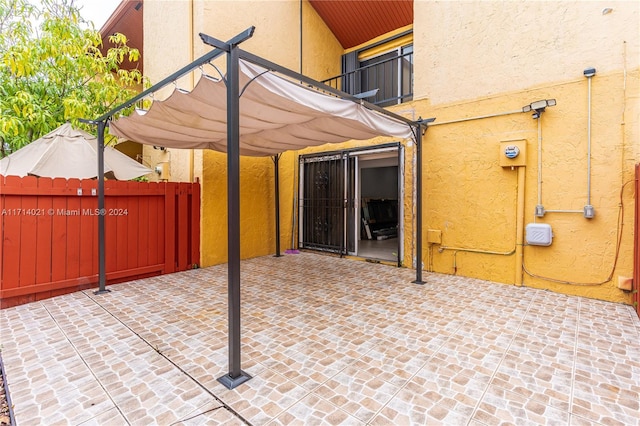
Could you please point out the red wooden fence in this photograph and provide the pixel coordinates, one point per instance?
(49, 234)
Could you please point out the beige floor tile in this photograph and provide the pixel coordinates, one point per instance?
(327, 341)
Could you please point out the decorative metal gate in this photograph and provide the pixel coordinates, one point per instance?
(329, 208)
(323, 202)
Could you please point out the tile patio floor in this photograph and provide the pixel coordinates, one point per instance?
(327, 341)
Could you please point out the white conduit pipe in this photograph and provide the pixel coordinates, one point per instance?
(589, 211)
(589, 142)
(479, 117)
(539, 161)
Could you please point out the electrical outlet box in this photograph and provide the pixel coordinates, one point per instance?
(513, 153)
(434, 236)
(539, 234)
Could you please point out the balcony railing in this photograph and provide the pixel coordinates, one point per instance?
(393, 79)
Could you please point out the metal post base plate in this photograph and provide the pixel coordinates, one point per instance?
(231, 383)
(106, 290)
(419, 282)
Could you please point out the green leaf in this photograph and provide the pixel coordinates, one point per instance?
(51, 69)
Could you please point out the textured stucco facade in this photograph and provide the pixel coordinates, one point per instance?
(476, 64)
(491, 58)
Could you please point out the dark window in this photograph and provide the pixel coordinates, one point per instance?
(390, 73)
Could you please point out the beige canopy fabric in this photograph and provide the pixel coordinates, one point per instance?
(276, 115)
(69, 153)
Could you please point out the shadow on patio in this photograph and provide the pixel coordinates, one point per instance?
(327, 341)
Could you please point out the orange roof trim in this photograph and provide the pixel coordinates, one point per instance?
(354, 22)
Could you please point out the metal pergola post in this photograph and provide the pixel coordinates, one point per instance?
(102, 275)
(418, 134)
(236, 376)
(276, 161)
(418, 279)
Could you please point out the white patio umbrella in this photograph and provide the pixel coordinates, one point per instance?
(69, 153)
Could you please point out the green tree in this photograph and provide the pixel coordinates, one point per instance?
(52, 70)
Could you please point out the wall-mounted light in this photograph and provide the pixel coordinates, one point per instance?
(538, 107)
(607, 10)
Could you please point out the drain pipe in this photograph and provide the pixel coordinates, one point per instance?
(589, 211)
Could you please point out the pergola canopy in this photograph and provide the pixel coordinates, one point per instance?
(252, 112)
(277, 114)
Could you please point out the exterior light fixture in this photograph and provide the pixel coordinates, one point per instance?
(538, 107)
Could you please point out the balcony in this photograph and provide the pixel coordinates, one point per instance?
(384, 81)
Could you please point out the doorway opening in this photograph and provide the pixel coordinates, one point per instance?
(351, 202)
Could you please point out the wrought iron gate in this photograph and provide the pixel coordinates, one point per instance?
(323, 202)
(329, 210)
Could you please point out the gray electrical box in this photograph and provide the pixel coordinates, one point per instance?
(539, 234)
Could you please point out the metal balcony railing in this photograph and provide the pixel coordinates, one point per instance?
(393, 79)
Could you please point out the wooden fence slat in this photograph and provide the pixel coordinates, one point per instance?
(194, 241)
(11, 223)
(59, 234)
(143, 225)
(130, 215)
(72, 217)
(88, 229)
(182, 225)
(43, 232)
(156, 231)
(170, 227)
(28, 237)
(110, 230)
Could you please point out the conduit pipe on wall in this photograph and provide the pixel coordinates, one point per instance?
(479, 117)
(564, 211)
(539, 212)
(470, 250)
(588, 209)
